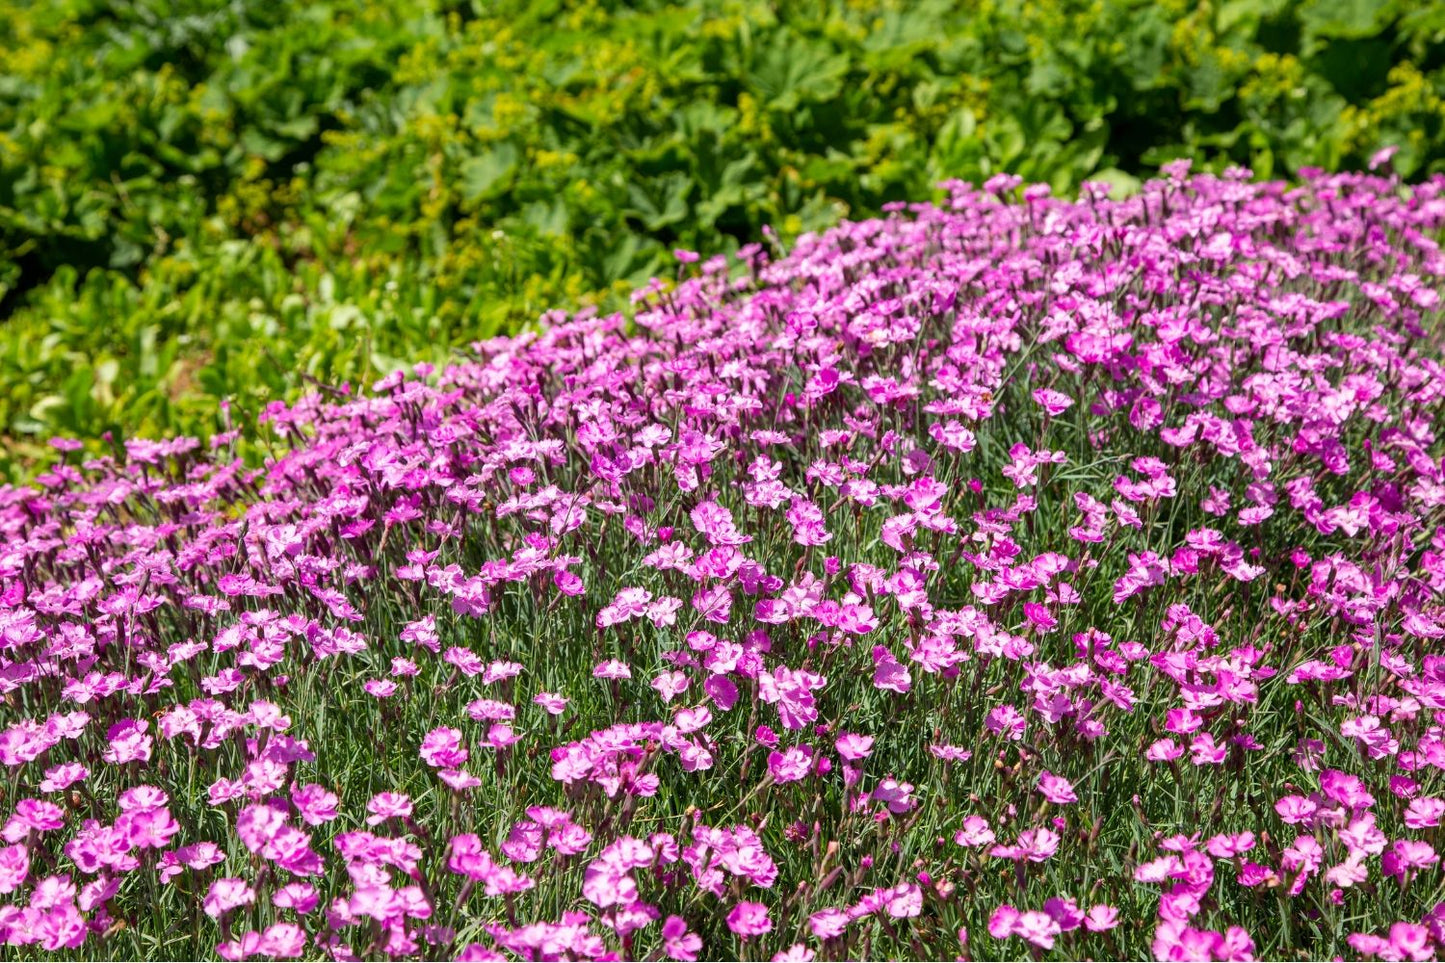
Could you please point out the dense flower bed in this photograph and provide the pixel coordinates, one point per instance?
(1013, 576)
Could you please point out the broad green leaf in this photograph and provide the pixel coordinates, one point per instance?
(488, 173)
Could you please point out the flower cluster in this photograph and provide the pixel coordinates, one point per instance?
(1009, 575)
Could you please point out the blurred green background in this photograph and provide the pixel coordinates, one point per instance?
(206, 200)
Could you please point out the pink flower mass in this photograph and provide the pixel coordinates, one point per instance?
(1013, 576)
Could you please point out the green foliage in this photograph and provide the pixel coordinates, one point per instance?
(203, 201)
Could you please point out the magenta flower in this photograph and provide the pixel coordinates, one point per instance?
(611, 669)
(1053, 402)
(975, 832)
(1406, 857)
(387, 805)
(442, 748)
(1163, 750)
(896, 795)
(379, 688)
(713, 604)
(1101, 918)
(748, 920)
(500, 736)
(852, 746)
(1424, 813)
(1037, 928)
(1056, 789)
(63, 776)
(678, 941)
(789, 766)
(316, 804)
(1295, 809)
(889, 674)
(127, 741)
(226, 895)
(568, 583)
(1007, 721)
(1034, 845)
(1226, 846)
(301, 897)
(14, 867)
(670, 685)
(458, 779)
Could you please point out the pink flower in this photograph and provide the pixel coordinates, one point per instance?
(127, 741)
(225, 895)
(678, 942)
(524, 843)
(1053, 402)
(789, 766)
(1425, 812)
(1163, 750)
(611, 669)
(808, 523)
(629, 603)
(1406, 856)
(442, 748)
(1040, 617)
(387, 805)
(975, 832)
(1056, 789)
(828, 924)
(301, 897)
(853, 747)
(890, 674)
(63, 776)
(749, 919)
(14, 867)
(1037, 928)
(568, 583)
(713, 604)
(716, 523)
(1101, 918)
(466, 661)
(500, 736)
(459, 779)
(1412, 941)
(1295, 809)
(1382, 156)
(379, 688)
(1005, 720)
(60, 927)
(1065, 912)
(1034, 845)
(1002, 922)
(283, 941)
(316, 803)
(897, 796)
(1229, 846)
(33, 815)
(670, 685)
